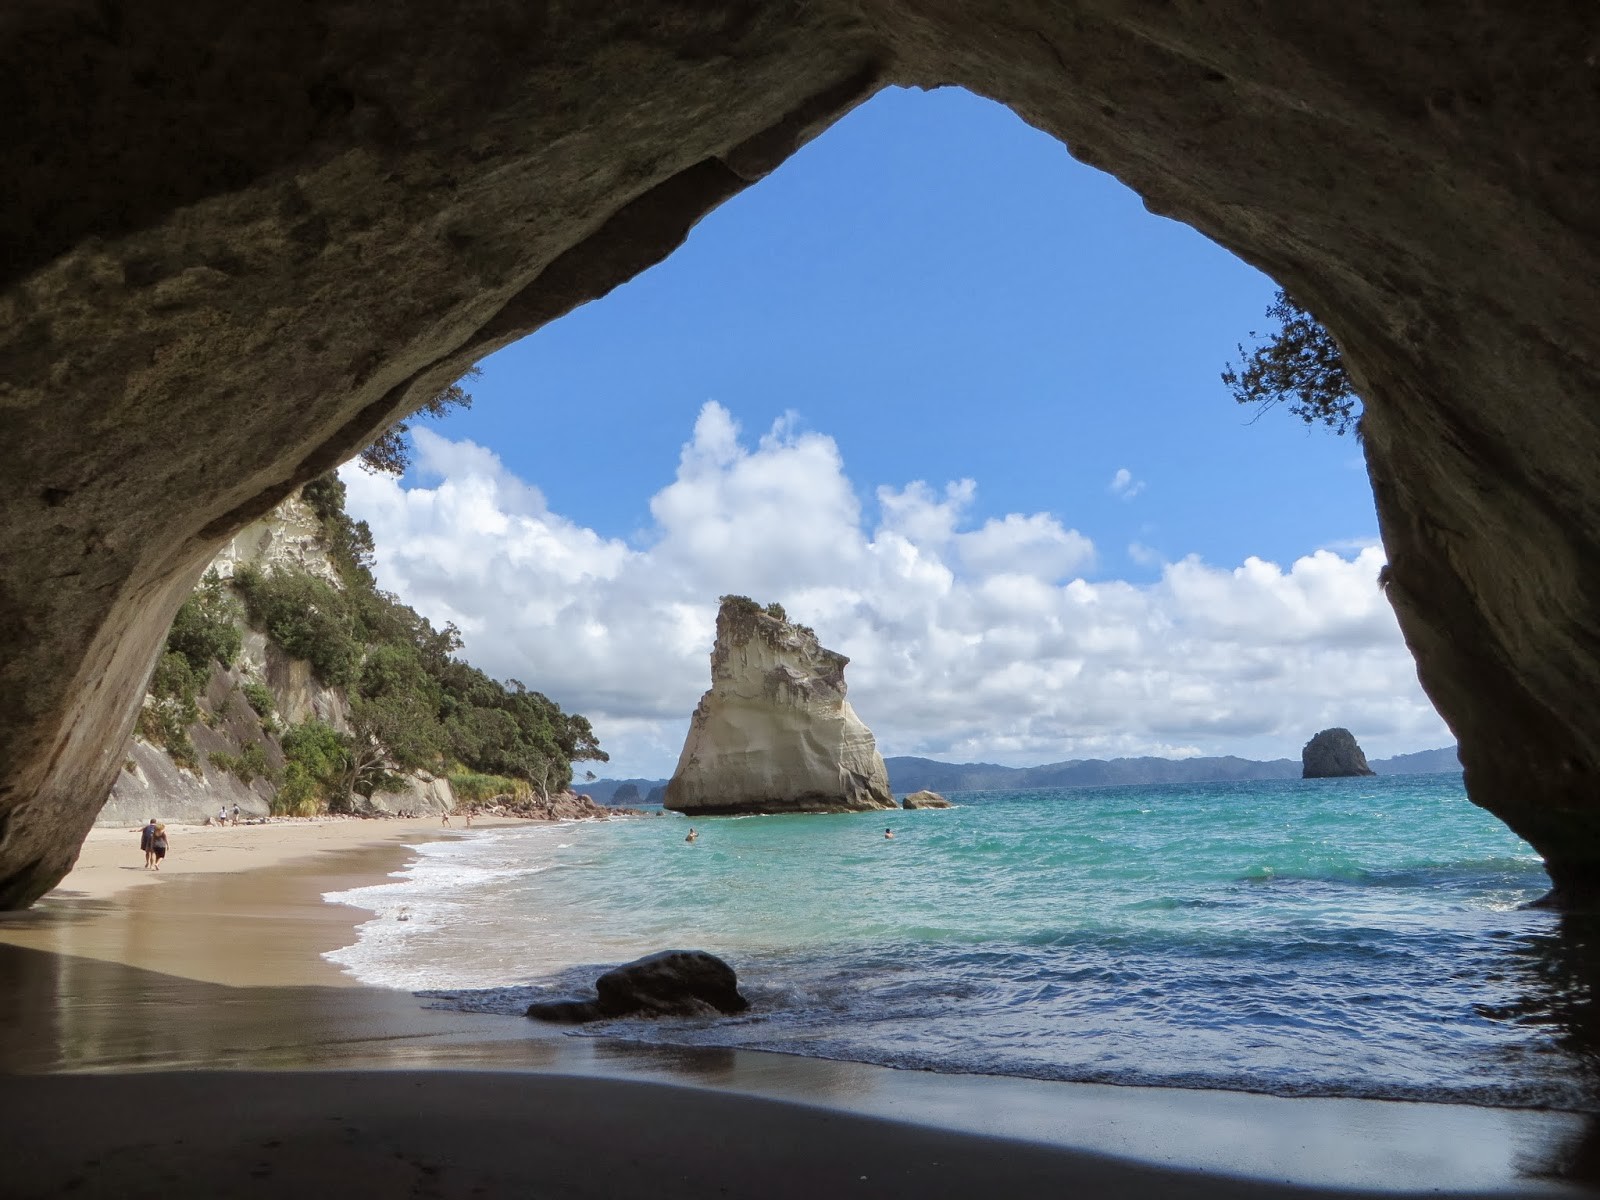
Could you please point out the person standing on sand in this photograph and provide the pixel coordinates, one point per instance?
(444, 817)
(235, 814)
(158, 844)
(147, 837)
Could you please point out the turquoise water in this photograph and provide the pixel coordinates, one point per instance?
(1333, 937)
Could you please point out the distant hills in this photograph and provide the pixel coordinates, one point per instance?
(914, 774)
(908, 774)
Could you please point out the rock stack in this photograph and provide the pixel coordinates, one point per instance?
(1332, 754)
(775, 733)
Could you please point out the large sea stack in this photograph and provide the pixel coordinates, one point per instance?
(1333, 754)
(775, 734)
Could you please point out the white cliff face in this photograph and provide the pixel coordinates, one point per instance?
(290, 536)
(775, 732)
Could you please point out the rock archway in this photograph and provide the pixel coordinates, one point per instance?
(239, 239)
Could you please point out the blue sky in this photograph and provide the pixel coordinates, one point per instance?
(949, 294)
(953, 398)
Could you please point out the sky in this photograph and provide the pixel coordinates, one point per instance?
(952, 398)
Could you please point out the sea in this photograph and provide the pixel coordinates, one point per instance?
(1346, 937)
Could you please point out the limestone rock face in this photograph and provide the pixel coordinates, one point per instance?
(925, 799)
(238, 240)
(422, 793)
(1333, 754)
(775, 732)
(288, 538)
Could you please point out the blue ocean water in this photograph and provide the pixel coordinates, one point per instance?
(1356, 937)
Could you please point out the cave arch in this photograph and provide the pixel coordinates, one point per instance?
(240, 241)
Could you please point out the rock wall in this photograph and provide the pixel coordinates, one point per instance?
(237, 240)
(775, 733)
(153, 783)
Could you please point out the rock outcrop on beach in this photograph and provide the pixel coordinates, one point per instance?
(1333, 754)
(670, 983)
(925, 799)
(775, 733)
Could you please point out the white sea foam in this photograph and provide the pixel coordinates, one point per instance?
(449, 918)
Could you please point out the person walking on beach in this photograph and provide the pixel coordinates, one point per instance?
(222, 815)
(444, 817)
(235, 814)
(147, 837)
(158, 844)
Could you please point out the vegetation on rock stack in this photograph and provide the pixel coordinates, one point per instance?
(413, 705)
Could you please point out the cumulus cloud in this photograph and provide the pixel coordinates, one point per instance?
(969, 640)
(1124, 485)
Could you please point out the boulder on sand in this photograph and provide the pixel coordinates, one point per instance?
(670, 983)
(925, 799)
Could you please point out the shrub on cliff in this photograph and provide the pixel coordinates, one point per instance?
(206, 629)
(171, 707)
(307, 617)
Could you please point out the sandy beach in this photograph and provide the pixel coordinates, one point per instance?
(180, 1034)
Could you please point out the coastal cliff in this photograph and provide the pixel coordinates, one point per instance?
(775, 733)
(291, 685)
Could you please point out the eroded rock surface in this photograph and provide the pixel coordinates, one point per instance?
(1333, 754)
(775, 733)
(237, 240)
(925, 799)
(670, 983)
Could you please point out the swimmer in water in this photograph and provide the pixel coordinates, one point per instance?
(693, 836)
(889, 833)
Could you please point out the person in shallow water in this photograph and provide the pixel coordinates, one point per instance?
(693, 836)
(889, 833)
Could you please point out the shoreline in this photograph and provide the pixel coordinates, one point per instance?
(220, 968)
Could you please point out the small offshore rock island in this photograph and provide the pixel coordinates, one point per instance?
(774, 733)
(1333, 754)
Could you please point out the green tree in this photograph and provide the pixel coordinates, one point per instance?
(1299, 364)
(318, 769)
(308, 617)
(206, 629)
(390, 453)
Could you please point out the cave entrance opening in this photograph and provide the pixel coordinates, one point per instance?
(931, 351)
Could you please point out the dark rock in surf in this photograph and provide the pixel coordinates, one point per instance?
(1333, 754)
(671, 983)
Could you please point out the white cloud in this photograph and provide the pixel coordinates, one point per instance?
(1124, 485)
(966, 642)
(1145, 556)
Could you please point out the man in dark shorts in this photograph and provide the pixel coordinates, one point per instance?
(147, 837)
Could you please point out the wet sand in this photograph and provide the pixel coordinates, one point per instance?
(187, 1039)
